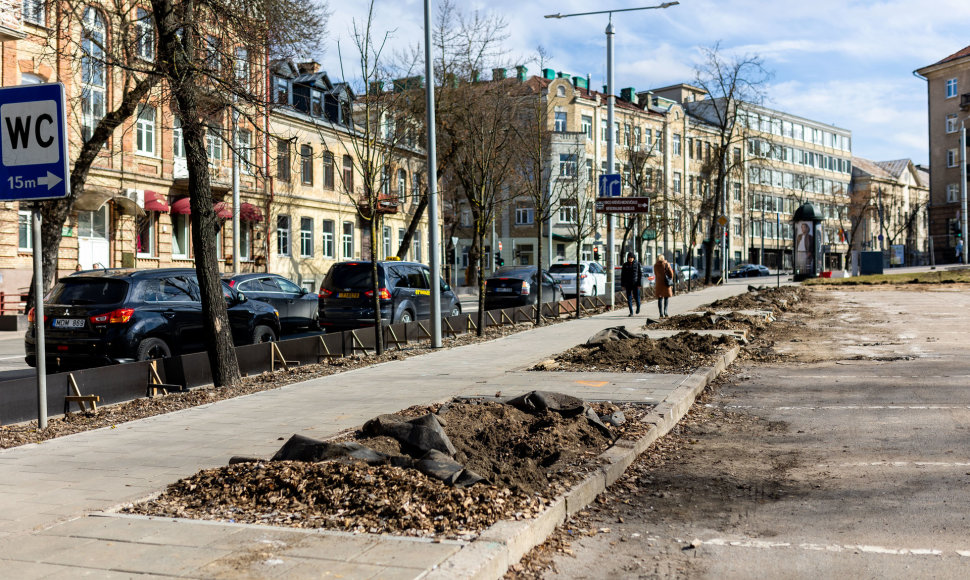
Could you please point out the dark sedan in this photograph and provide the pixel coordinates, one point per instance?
(517, 286)
(748, 271)
(297, 306)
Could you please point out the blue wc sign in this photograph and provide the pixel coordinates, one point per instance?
(33, 143)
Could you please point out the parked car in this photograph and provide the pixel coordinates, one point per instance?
(592, 278)
(749, 270)
(518, 286)
(689, 272)
(297, 306)
(346, 294)
(100, 317)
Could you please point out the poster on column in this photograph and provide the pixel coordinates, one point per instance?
(804, 247)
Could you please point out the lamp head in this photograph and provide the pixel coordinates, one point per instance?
(557, 15)
(669, 4)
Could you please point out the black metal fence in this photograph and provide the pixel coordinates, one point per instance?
(125, 382)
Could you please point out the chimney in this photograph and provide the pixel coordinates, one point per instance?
(580, 83)
(308, 67)
(521, 72)
(627, 94)
(498, 74)
(548, 74)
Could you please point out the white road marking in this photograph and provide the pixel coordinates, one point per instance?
(855, 407)
(900, 464)
(763, 545)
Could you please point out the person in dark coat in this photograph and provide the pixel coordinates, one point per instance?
(663, 291)
(631, 278)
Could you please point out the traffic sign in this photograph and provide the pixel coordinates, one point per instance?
(33, 143)
(623, 204)
(610, 185)
(722, 220)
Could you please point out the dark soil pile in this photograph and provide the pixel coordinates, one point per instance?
(709, 321)
(780, 299)
(681, 353)
(526, 459)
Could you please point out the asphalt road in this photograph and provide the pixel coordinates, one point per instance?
(860, 468)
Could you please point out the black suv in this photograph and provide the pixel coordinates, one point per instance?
(347, 295)
(100, 317)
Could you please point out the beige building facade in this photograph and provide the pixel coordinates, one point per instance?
(888, 210)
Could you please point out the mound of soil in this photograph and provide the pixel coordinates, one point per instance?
(680, 353)
(710, 321)
(526, 459)
(781, 299)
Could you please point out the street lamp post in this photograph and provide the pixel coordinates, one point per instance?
(963, 189)
(610, 135)
(434, 249)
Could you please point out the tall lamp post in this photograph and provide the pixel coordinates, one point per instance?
(610, 136)
(963, 189)
(433, 234)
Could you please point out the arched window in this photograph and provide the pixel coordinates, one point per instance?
(93, 74)
(145, 34)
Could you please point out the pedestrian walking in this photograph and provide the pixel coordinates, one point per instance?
(631, 278)
(959, 249)
(663, 285)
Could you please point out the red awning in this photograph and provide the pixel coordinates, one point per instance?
(223, 210)
(181, 205)
(250, 213)
(155, 202)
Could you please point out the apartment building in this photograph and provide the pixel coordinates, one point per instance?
(948, 100)
(317, 210)
(888, 210)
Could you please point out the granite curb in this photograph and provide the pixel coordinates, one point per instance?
(504, 543)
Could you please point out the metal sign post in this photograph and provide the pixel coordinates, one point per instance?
(34, 167)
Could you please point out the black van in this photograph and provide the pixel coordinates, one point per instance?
(109, 316)
(347, 295)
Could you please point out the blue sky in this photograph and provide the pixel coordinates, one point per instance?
(844, 62)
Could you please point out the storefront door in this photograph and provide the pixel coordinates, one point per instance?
(93, 250)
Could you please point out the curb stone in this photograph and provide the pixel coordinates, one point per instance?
(504, 543)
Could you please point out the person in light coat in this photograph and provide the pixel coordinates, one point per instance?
(663, 291)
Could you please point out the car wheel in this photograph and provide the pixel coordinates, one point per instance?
(152, 348)
(315, 323)
(406, 317)
(456, 310)
(263, 334)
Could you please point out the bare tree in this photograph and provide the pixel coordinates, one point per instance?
(577, 194)
(731, 81)
(203, 54)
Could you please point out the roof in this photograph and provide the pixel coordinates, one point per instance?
(870, 168)
(962, 53)
(536, 81)
(896, 167)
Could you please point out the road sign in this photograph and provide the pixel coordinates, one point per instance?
(33, 143)
(610, 185)
(623, 204)
(722, 220)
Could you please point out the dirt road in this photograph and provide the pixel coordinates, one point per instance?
(838, 449)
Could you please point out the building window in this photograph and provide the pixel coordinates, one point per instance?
(586, 124)
(387, 241)
(415, 187)
(283, 235)
(951, 88)
(180, 235)
(348, 174)
(245, 241)
(416, 246)
(145, 130)
(145, 235)
(604, 130)
(306, 237)
(283, 160)
(402, 185)
(466, 218)
(145, 35)
(328, 170)
(648, 137)
(560, 122)
(524, 216)
(636, 137)
(952, 192)
(214, 145)
(306, 164)
(327, 228)
(281, 91)
(951, 123)
(35, 12)
(525, 254)
(952, 158)
(567, 165)
(676, 144)
(93, 78)
(347, 240)
(213, 56)
(25, 232)
(737, 226)
(676, 184)
(244, 148)
(737, 190)
(567, 214)
(242, 65)
(178, 145)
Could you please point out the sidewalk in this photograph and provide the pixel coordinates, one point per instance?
(53, 495)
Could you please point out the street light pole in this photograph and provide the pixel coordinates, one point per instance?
(963, 189)
(434, 250)
(610, 134)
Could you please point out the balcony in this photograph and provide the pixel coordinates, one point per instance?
(386, 204)
(965, 101)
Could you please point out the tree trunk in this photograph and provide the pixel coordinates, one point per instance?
(188, 89)
(376, 283)
(539, 273)
(480, 242)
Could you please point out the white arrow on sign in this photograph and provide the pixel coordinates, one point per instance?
(50, 181)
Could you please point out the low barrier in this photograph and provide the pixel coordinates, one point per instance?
(125, 382)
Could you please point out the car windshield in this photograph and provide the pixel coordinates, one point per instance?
(520, 274)
(562, 269)
(88, 291)
(352, 275)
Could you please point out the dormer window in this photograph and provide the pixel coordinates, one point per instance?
(281, 91)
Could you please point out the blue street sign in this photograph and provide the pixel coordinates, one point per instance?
(610, 185)
(33, 143)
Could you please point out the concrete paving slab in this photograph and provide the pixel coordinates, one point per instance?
(106, 554)
(34, 571)
(407, 553)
